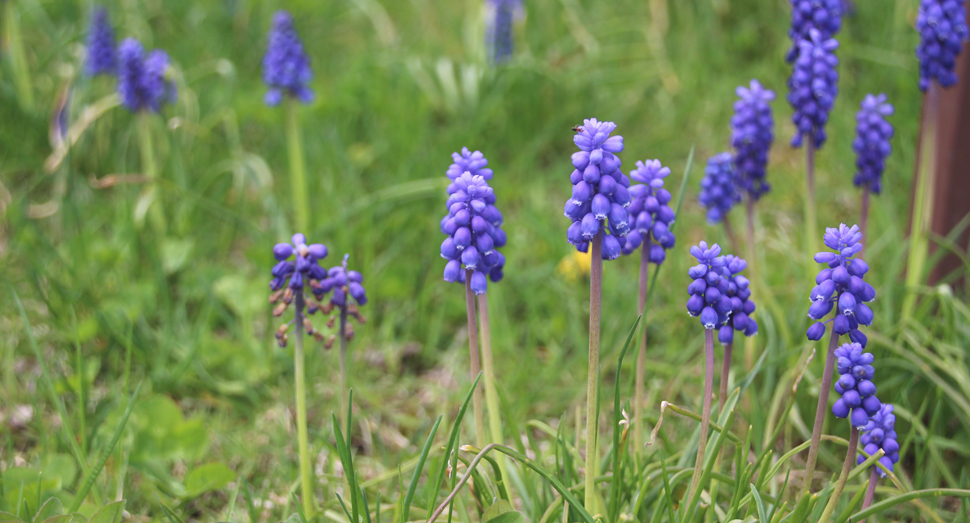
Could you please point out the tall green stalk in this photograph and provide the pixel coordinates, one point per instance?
(923, 201)
(156, 215)
(593, 372)
(639, 380)
(301, 423)
(474, 361)
(695, 481)
(870, 491)
(18, 57)
(344, 398)
(844, 477)
(294, 144)
(811, 219)
(820, 410)
(491, 390)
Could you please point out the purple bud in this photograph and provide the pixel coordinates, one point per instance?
(282, 251)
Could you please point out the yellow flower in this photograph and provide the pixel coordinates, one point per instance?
(574, 266)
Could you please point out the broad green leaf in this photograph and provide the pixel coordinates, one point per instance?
(63, 518)
(211, 476)
(500, 507)
(52, 507)
(507, 517)
(110, 513)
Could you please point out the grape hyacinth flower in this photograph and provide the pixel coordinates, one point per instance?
(752, 133)
(813, 87)
(840, 286)
(286, 66)
(858, 400)
(600, 190)
(871, 144)
(498, 35)
(739, 292)
(101, 54)
(474, 163)
(942, 26)
(649, 212)
(289, 281)
(824, 16)
(474, 228)
(880, 433)
(719, 187)
(142, 85)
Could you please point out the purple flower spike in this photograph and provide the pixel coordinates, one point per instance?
(742, 307)
(880, 433)
(286, 66)
(298, 266)
(142, 85)
(102, 57)
(840, 287)
(473, 225)
(824, 16)
(942, 26)
(498, 34)
(812, 87)
(752, 133)
(342, 282)
(871, 144)
(858, 400)
(649, 214)
(710, 292)
(719, 187)
(601, 192)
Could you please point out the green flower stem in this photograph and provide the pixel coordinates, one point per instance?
(823, 407)
(344, 398)
(474, 363)
(639, 383)
(156, 215)
(301, 424)
(695, 481)
(811, 220)
(725, 374)
(844, 477)
(491, 390)
(592, 380)
(18, 57)
(761, 288)
(871, 491)
(294, 143)
(923, 201)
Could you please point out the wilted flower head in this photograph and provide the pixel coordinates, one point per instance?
(600, 189)
(141, 79)
(710, 286)
(719, 190)
(286, 66)
(825, 16)
(840, 286)
(752, 133)
(102, 58)
(871, 143)
(470, 162)
(813, 87)
(880, 433)
(474, 228)
(649, 212)
(858, 400)
(942, 26)
(742, 307)
(498, 34)
(290, 277)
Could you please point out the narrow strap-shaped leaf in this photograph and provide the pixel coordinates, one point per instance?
(417, 472)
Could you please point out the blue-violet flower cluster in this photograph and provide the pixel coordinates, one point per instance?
(290, 277)
(942, 26)
(742, 307)
(142, 85)
(752, 133)
(709, 291)
(825, 16)
(498, 35)
(474, 228)
(858, 400)
(600, 190)
(871, 144)
(102, 57)
(286, 66)
(719, 190)
(840, 286)
(340, 282)
(473, 163)
(649, 212)
(880, 433)
(813, 87)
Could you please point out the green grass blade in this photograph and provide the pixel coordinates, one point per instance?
(762, 514)
(615, 485)
(250, 506)
(877, 508)
(452, 443)
(668, 497)
(417, 472)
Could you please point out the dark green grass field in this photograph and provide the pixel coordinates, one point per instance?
(110, 301)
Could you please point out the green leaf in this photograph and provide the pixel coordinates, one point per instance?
(877, 508)
(211, 476)
(417, 470)
(6, 517)
(507, 517)
(294, 518)
(63, 518)
(762, 514)
(500, 507)
(110, 513)
(52, 507)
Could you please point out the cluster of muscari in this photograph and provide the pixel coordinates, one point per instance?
(942, 26)
(825, 16)
(858, 400)
(752, 133)
(101, 53)
(474, 228)
(286, 66)
(474, 163)
(742, 307)
(841, 286)
(812, 87)
(719, 192)
(871, 143)
(142, 85)
(499, 33)
(880, 433)
(341, 283)
(600, 190)
(650, 212)
(710, 286)
(290, 277)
